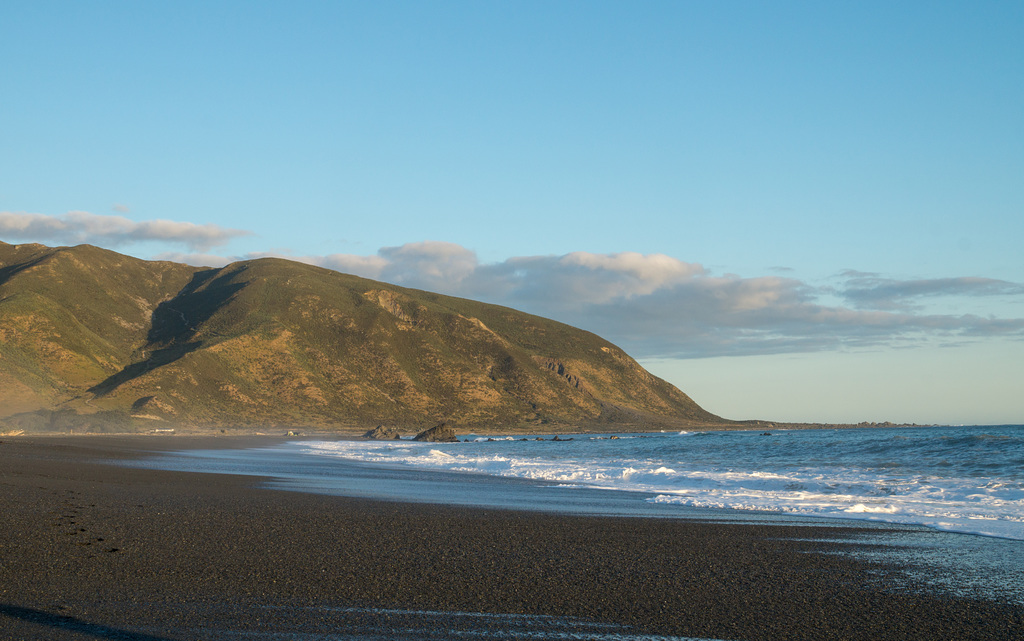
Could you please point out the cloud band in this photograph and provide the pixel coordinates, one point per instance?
(652, 304)
(658, 306)
(84, 227)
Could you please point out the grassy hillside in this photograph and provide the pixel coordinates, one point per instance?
(93, 338)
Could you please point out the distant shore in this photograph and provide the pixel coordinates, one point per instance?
(347, 431)
(94, 550)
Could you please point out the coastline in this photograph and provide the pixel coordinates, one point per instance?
(161, 428)
(91, 549)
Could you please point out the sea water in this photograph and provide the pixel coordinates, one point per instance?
(964, 479)
(927, 491)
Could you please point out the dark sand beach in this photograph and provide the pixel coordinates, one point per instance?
(90, 550)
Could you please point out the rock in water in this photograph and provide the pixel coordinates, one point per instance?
(441, 433)
(381, 433)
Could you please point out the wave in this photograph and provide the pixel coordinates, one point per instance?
(747, 473)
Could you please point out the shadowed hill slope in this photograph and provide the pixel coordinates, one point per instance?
(93, 338)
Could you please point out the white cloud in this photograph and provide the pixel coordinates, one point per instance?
(365, 266)
(428, 262)
(584, 277)
(196, 259)
(658, 306)
(83, 227)
(871, 291)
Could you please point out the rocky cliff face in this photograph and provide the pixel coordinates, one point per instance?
(91, 337)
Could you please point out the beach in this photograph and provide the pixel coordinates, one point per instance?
(91, 550)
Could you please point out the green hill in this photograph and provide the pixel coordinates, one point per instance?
(92, 339)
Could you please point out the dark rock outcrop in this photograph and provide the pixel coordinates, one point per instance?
(382, 433)
(440, 433)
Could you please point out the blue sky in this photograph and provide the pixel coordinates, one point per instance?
(792, 211)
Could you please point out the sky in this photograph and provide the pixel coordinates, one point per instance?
(793, 211)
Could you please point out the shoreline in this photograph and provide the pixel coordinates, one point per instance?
(331, 479)
(351, 432)
(89, 547)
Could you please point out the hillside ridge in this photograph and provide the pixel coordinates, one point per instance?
(100, 341)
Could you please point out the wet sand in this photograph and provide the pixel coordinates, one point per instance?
(90, 550)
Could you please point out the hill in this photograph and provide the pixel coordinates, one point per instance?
(93, 339)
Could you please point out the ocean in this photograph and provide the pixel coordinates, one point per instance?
(963, 479)
(920, 484)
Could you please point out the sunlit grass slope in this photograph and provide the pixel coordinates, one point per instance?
(95, 339)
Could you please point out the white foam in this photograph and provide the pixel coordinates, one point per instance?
(992, 507)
